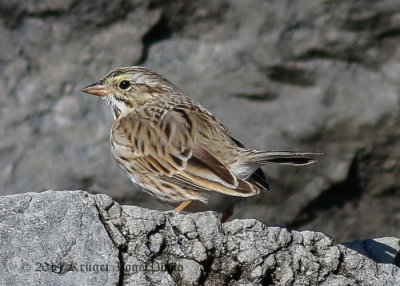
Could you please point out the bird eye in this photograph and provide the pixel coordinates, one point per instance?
(125, 84)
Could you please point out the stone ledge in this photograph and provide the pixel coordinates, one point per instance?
(76, 238)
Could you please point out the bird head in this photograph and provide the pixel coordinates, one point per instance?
(126, 89)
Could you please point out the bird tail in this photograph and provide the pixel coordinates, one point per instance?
(292, 158)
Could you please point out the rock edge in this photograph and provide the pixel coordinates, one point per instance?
(77, 238)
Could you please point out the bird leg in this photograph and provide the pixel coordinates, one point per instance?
(227, 213)
(183, 205)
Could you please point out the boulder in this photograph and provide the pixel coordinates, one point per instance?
(77, 238)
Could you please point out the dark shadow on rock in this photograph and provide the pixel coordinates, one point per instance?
(373, 249)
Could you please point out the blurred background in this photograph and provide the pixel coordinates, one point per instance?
(317, 76)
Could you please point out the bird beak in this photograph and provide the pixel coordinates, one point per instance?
(97, 89)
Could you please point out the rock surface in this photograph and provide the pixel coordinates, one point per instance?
(318, 76)
(76, 238)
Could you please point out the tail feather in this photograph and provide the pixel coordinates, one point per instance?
(259, 179)
(292, 158)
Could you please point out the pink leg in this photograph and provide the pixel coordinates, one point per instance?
(183, 205)
(227, 213)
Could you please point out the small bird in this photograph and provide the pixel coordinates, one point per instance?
(177, 151)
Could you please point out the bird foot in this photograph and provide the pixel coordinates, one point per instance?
(183, 205)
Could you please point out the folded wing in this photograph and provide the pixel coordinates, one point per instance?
(165, 149)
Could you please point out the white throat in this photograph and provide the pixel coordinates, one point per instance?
(118, 108)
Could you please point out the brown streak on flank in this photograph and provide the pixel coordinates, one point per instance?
(140, 162)
(162, 167)
(148, 133)
(165, 185)
(166, 171)
(155, 170)
(167, 130)
(139, 127)
(155, 163)
(142, 145)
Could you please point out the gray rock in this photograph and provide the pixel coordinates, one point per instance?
(55, 238)
(304, 75)
(76, 238)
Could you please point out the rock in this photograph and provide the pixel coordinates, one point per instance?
(76, 238)
(54, 238)
(318, 76)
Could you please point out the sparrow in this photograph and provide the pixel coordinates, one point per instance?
(176, 150)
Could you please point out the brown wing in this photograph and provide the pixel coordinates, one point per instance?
(214, 126)
(166, 149)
